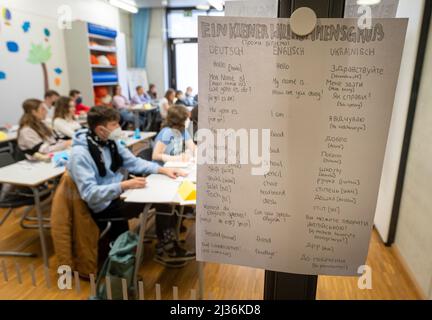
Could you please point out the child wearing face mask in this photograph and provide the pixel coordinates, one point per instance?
(174, 142)
(80, 108)
(50, 99)
(97, 165)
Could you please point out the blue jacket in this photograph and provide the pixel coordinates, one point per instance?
(97, 191)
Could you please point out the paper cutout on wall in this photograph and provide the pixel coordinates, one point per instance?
(7, 16)
(26, 26)
(58, 70)
(57, 82)
(40, 55)
(2, 75)
(47, 34)
(12, 46)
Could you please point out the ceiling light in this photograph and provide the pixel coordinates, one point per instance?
(126, 5)
(204, 7)
(367, 2)
(217, 4)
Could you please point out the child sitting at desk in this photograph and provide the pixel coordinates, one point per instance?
(96, 165)
(122, 104)
(174, 143)
(50, 97)
(33, 134)
(64, 123)
(80, 108)
(167, 102)
(141, 96)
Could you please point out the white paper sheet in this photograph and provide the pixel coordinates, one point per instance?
(327, 100)
(160, 189)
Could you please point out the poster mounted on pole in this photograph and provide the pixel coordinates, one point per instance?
(292, 136)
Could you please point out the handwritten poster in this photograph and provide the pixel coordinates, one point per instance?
(327, 101)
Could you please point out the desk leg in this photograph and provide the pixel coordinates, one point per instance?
(150, 120)
(139, 253)
(40, 225)
(179, 221)
(137, 120)
(11, 147)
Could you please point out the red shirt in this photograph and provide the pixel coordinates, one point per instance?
(81, 108)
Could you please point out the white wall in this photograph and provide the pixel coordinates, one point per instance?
(95, 11)
(157, 68)
(414, 11)
(414, 231)
(25, 80)
(126, 28)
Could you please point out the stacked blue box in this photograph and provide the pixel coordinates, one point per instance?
(102, 77)
(101, 31)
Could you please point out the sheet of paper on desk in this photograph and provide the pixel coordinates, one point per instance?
(192, 176)
(176, 164)
(157, 191)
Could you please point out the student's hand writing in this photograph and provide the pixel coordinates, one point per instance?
(136, 183)
(172, 173)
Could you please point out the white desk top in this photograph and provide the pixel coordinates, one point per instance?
(131, 141)
(11, 136)
(142, 108)
(29, 173)
(161, 189)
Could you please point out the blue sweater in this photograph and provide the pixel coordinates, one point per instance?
(97, 191)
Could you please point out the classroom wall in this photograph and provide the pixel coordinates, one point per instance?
(157, 69)
(414, 231)
(126, 28)
(414, 11)
(19, 78)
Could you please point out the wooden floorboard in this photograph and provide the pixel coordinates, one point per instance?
(222, 282)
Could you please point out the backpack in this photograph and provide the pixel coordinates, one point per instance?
(119, 265)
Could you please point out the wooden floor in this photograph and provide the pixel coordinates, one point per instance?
(390, 281)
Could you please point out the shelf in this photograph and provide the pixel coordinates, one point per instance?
(101, 49)
(96, 36)
(101, 84)
(97, 66)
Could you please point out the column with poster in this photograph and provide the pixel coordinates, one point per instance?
(293, 133)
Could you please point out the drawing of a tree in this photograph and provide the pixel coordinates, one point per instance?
(40, 55)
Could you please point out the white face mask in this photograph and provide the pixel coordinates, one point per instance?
(117, 134)
(187, 123)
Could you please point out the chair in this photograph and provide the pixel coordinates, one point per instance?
(146, 154)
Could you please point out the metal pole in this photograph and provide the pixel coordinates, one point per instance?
(288, 286)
